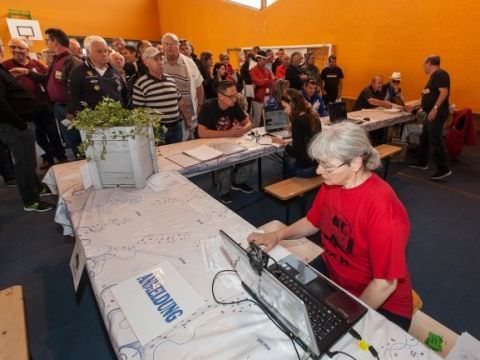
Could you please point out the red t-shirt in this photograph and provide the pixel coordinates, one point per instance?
(364, 231)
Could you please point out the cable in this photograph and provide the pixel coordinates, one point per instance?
(335, 353)
(371, 349)
(280, 327)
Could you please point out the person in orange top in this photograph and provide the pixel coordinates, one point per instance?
(263, 79)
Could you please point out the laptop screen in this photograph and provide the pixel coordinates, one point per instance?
(286, 306)
(275, 120)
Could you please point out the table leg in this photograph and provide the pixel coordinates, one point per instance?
(259, 164)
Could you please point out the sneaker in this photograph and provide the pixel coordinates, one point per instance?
(441, 174)
(243, 188)
(11, 183)
(418, 166)
(44, 191)
(226, 199)
(38, 206)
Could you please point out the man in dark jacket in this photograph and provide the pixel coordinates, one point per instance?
(17, 108)
(95, 79)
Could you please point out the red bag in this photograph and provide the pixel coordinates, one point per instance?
(461, 132)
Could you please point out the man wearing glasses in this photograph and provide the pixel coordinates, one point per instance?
(30, 74)
(223, 117)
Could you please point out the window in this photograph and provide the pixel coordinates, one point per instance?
(256, 4)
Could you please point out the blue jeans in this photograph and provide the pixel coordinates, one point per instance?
(290, 169)
(174, 133)
(71, 136)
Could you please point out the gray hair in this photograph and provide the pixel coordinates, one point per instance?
(344, 141)
(170, 36)
(89, 40)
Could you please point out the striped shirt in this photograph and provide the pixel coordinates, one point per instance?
(158, 94)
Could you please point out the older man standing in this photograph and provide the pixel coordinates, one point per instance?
(158, 92)
(57, 78)
(30, 74)
(75, 48)
(435, 105)
(189, 82)
(17, 107)
(94, 79)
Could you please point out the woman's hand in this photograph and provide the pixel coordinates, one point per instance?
(270, 240)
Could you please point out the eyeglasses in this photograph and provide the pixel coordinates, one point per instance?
(396, 81)
(231, 97)
(328, 170)
(17, 47)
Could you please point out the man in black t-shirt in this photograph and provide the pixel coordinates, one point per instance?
(435, 105)
(332, 81)
(223, 117)
(372, 96)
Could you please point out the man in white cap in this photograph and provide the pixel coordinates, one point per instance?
(158, 91)
(392, 90)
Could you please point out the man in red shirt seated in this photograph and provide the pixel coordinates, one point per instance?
(362, 224)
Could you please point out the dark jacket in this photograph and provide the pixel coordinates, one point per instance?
(17, 106)
(87, 85)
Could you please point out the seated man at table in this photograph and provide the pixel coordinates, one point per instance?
(222, 117)
(372, 96)
(393, 91)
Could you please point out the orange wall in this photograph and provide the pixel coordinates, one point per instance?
(371, 36)
(133, 19)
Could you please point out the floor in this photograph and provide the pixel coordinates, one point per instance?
(443, 256)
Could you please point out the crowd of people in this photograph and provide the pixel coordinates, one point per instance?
(363, 225)
(171, 80)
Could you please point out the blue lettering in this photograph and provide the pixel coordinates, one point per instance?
(170, 317)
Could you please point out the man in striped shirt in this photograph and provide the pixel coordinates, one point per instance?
(157, 91)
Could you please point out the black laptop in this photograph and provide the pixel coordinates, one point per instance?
(337, 111)
(303, 301)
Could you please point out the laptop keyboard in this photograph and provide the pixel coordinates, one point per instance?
(323, 320)
(282, 134)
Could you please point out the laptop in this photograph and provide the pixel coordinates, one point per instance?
(301, 300)
(337, 112)
(276, 124)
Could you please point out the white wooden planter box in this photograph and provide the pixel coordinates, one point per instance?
(128, 162)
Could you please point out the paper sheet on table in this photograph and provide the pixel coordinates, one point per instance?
(204, 153)
(156, 300)
(466, 348)
(165, 180)
(183, 160)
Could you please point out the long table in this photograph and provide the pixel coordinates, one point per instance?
(124, 232)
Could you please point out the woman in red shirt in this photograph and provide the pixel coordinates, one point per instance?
(362, 224)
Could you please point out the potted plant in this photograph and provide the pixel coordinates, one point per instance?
(118, 143)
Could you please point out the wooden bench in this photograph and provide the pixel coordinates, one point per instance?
(295, 187)
(386, 152)
(13, 328)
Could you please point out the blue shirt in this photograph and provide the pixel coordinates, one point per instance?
(317, 103)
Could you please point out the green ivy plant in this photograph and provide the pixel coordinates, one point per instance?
(109, 114)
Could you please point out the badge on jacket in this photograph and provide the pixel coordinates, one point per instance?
(58, 75)
(97, 87)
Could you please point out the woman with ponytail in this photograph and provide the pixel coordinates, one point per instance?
(363, 226)
(305, 125)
